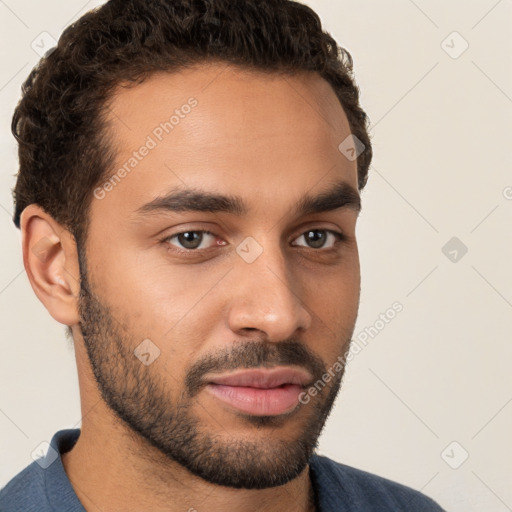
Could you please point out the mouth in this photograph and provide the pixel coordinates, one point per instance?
(267, 392)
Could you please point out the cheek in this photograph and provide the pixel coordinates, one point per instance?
(175, 306)
(334, 300)
(334, 290)
(145, 285)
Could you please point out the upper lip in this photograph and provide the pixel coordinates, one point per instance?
(263, 378)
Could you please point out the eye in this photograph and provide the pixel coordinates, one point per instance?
(192, 240)
(319, 238)
(197, 240)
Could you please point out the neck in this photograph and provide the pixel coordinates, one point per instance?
(113, 476)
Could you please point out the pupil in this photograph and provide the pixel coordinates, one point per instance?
(190, 239)
(316, 238)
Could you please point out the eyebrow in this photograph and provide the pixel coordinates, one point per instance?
(340, 195)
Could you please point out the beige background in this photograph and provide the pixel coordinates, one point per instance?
(438, 372)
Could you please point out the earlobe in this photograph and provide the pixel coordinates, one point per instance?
(51, 263)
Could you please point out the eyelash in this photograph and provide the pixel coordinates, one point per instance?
(340, 237)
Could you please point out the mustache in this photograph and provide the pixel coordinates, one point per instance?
(253, 354)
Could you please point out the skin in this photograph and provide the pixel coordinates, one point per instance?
(269, 139)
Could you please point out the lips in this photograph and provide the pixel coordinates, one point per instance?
(267, 392)
(264, 378)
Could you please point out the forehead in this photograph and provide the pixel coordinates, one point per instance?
(216, 127)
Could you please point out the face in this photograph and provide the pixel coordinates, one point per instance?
(220, 277)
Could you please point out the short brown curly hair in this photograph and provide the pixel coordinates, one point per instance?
(59, 122)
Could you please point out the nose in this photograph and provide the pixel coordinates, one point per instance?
(265, 297)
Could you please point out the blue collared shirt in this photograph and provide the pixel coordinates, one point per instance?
(43, 486)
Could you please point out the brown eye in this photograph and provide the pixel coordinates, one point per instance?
(319, 238)
(191, 240)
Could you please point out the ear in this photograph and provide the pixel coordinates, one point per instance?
(50, 258)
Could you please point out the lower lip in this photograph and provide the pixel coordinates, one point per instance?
(267, 402)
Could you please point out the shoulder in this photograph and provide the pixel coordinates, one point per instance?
(43, 485)
(26, 491)
(354, 489)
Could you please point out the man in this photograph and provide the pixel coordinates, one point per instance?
(188, 194)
